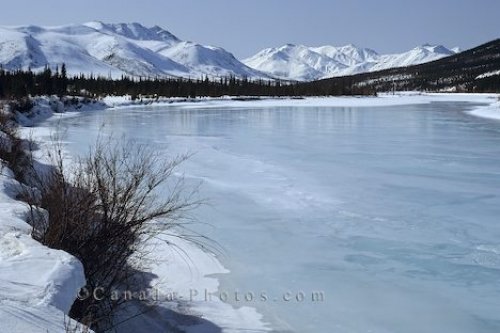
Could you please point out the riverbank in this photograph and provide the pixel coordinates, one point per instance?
(46, 107)
(491, 111)
(38, 285)
(182, 273)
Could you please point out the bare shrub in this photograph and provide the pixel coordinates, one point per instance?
(12, 147)
(102, 210)
(23, 104)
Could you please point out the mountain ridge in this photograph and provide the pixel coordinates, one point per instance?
(113, 50)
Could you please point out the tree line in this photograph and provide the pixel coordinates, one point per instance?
(18, 84)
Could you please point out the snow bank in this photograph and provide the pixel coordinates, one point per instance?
(126, 101)
(46, 107)
(37, 285)
(184, 282)
(491, 111)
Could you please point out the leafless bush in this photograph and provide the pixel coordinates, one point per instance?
(22, 105)
(102, 209)
(12, 147)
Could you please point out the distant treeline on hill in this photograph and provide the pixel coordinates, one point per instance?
(475, 70)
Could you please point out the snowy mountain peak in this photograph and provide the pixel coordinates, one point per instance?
(135, 31)
(434, 49)
(164, 34)
(97, 25)
(295, 62)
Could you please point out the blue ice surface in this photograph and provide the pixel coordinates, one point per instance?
(393, 213)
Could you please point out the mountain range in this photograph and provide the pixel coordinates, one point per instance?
(113, 50)
(302, 63)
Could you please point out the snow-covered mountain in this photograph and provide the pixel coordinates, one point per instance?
(302, 63)
(133, 49)
(115, 49)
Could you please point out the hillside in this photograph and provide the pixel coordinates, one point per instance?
(112, 50)
(474, 70)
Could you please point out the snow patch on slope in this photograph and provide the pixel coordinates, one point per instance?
(488, 74)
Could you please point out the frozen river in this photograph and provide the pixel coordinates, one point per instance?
(391, 213)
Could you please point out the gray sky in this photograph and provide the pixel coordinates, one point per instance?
(245, 27)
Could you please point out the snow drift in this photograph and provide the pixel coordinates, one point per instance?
(37, 285)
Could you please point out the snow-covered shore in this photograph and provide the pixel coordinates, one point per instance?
(37, 285)
(491, 111)
(383, 99)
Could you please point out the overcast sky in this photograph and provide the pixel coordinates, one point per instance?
(245, 27)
